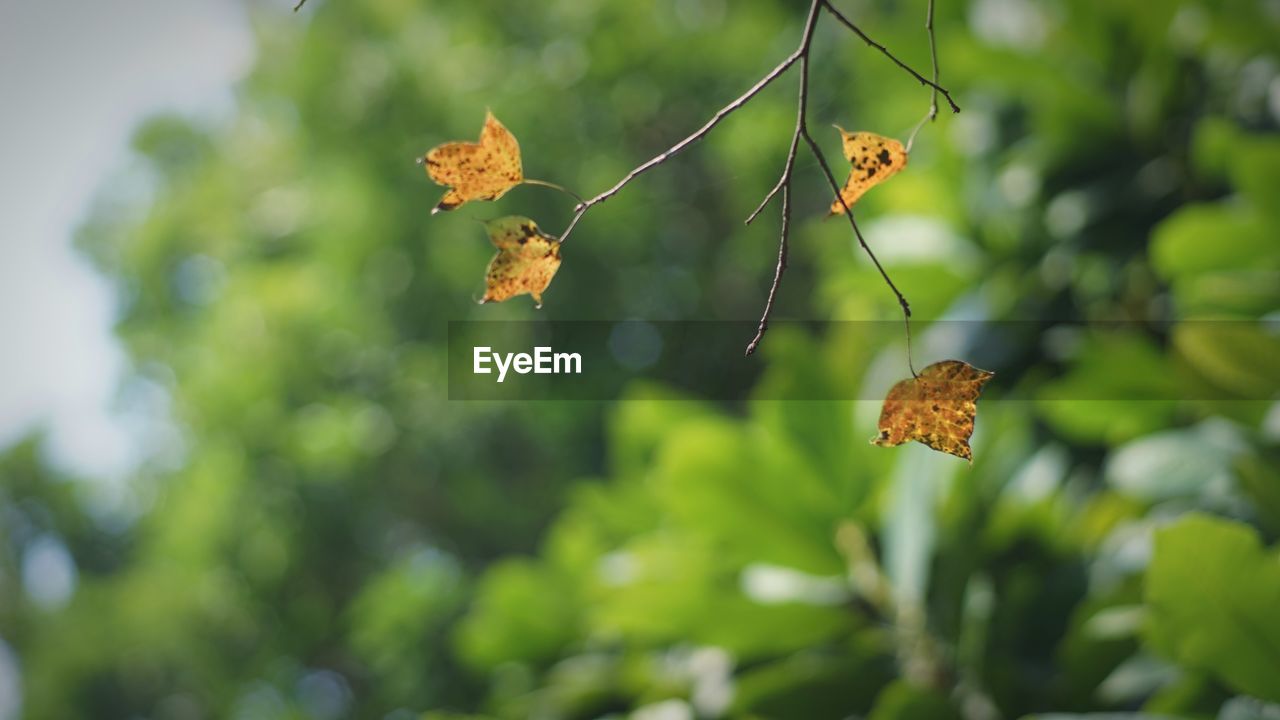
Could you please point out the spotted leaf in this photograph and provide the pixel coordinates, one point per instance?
(874, 159)
(937, 408)
(483, 170)
(527, 259)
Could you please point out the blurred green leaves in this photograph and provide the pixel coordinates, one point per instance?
(401, 615)
(901, 701)
(1212, 591)
(1222, 261)
(524, 612)
(1100, 222)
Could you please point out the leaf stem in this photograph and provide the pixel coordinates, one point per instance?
(553, 186)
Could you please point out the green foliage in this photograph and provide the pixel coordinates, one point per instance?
(327, 535)
(523, 615)
(1213, 590)
(900, 701)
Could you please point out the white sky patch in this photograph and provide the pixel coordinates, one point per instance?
(77, 78)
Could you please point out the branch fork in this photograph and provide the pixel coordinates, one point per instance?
(783, 187)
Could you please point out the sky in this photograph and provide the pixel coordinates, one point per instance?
(76, 78)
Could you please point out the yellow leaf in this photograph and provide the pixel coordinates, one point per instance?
(936, 408)
(527, 259)
(476, 171)
(875, 158)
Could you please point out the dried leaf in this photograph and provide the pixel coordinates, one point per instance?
(875, 158)
(476, 171)
(527, 259)
(936, 408)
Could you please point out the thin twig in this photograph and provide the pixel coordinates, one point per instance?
(298, 7)
(933, 59)
(835, 187)
(784, 181)
(777, 272)
(933, 96)
(772, 192)
(698, 134)
(885, 51)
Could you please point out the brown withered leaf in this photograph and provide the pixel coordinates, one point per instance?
(936, 408)
(875, 158)
(483, 170)
(527, 259)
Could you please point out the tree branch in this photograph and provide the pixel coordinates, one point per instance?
(826, 4)
(777, 272)
(674, 150)
(784, 182)
(298, 7)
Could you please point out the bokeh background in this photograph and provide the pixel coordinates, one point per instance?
(274, 511)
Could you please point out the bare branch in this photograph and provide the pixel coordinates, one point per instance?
(784, 184)
(772, 192)
(784, 181)
(885, 51)
(674, 150)
(777, 273)
(933, 59)
(298, 7)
